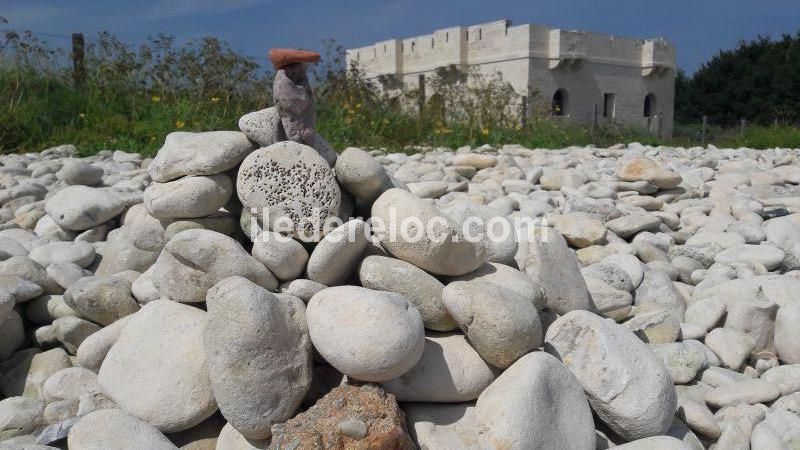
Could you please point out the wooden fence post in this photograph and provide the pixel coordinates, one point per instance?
(594, 122)
(742, 126)
(78, 59)
(421, 94)
(703, 133)
(660, 124)
(524, 112)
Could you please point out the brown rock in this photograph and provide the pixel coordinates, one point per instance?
(323, 426)
(282, 57)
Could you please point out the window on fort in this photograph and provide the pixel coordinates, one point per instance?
(559, 107)
(467, 35)
(432, 42)
(609, 105)
(480, 34)
(447, 37)
(650, 105)
(413, 46)
(384, 48)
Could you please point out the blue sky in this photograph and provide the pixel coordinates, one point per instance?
(698, 28)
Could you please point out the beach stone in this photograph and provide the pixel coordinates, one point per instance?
(79, 171)
(205, 153)
(706, 313)
(259, 355)
(698, 417)
(290, 182)
(683, 360)
(476, 160)
(779, 430)
(167, 386)
(29, 270)
(608, 301)
(103, 300)
(195, 260)
(263, 126)
(188, 197)
(301, 288)
(20, 289)
(93, 350)
(114, 428)
(499, 237)
(319, 426)
(230, 439)
(645, 169)
(19, 416)
(420, 288)
(519, 410)
(655, 443)
(554, 268)
(746, 391)
(12, 333)
(787, 333)
(787, 378)
(362, 175)
(78, 252)
(629, 225)
(731, 346)
(654, 325)
(771, 257)
(337, 255)
(580, 229)
(501, 324)
(449, 371)
(443, 426)
(79, 208)
(441, 248)
(69, 384)
(508, 278)
(32, 369)
(628, 387)
(387, 340)
(285, 257)
(67, 273)
(658, 291)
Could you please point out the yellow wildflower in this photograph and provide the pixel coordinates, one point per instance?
(155, 98)
(214, 99)
(179, 124)
(82, 115)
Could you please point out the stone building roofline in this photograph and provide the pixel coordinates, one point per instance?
(500, 41)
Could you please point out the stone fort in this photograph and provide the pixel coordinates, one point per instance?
(578, 75)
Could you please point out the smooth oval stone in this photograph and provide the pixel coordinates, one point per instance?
(188, 197)
(365, 334)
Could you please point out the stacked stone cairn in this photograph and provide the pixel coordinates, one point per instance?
(236, 292)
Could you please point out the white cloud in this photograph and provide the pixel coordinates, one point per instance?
(164, 9)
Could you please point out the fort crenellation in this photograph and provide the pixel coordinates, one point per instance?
(579, 75)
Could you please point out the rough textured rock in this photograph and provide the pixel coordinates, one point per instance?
(167, 386)
(263, 126)
(519, 410)
(628, 386)
(195, 260)
(206, 153)
(324, 424)
(103, 300)
(644, 169)
(367, 335)
(442, 251)
(450, 370)
(420, 288)
(259, 355)
(554, 269)
(290, 181)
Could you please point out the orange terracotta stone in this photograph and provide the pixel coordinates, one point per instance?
(282, 57)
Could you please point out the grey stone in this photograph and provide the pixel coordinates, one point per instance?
(519, 410)
(188, 197)
(79, 208)
(259, 355)
(103, 300)
(207, 153)
(787, 333)
(361, 175)
(114, 428)
(78, 252)
(628, 387)
(195, 260)
(365, 334)
(93, 350)
(285, 257)
(420, 288)
(263, 126)
(167, 386)
(337, 255)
